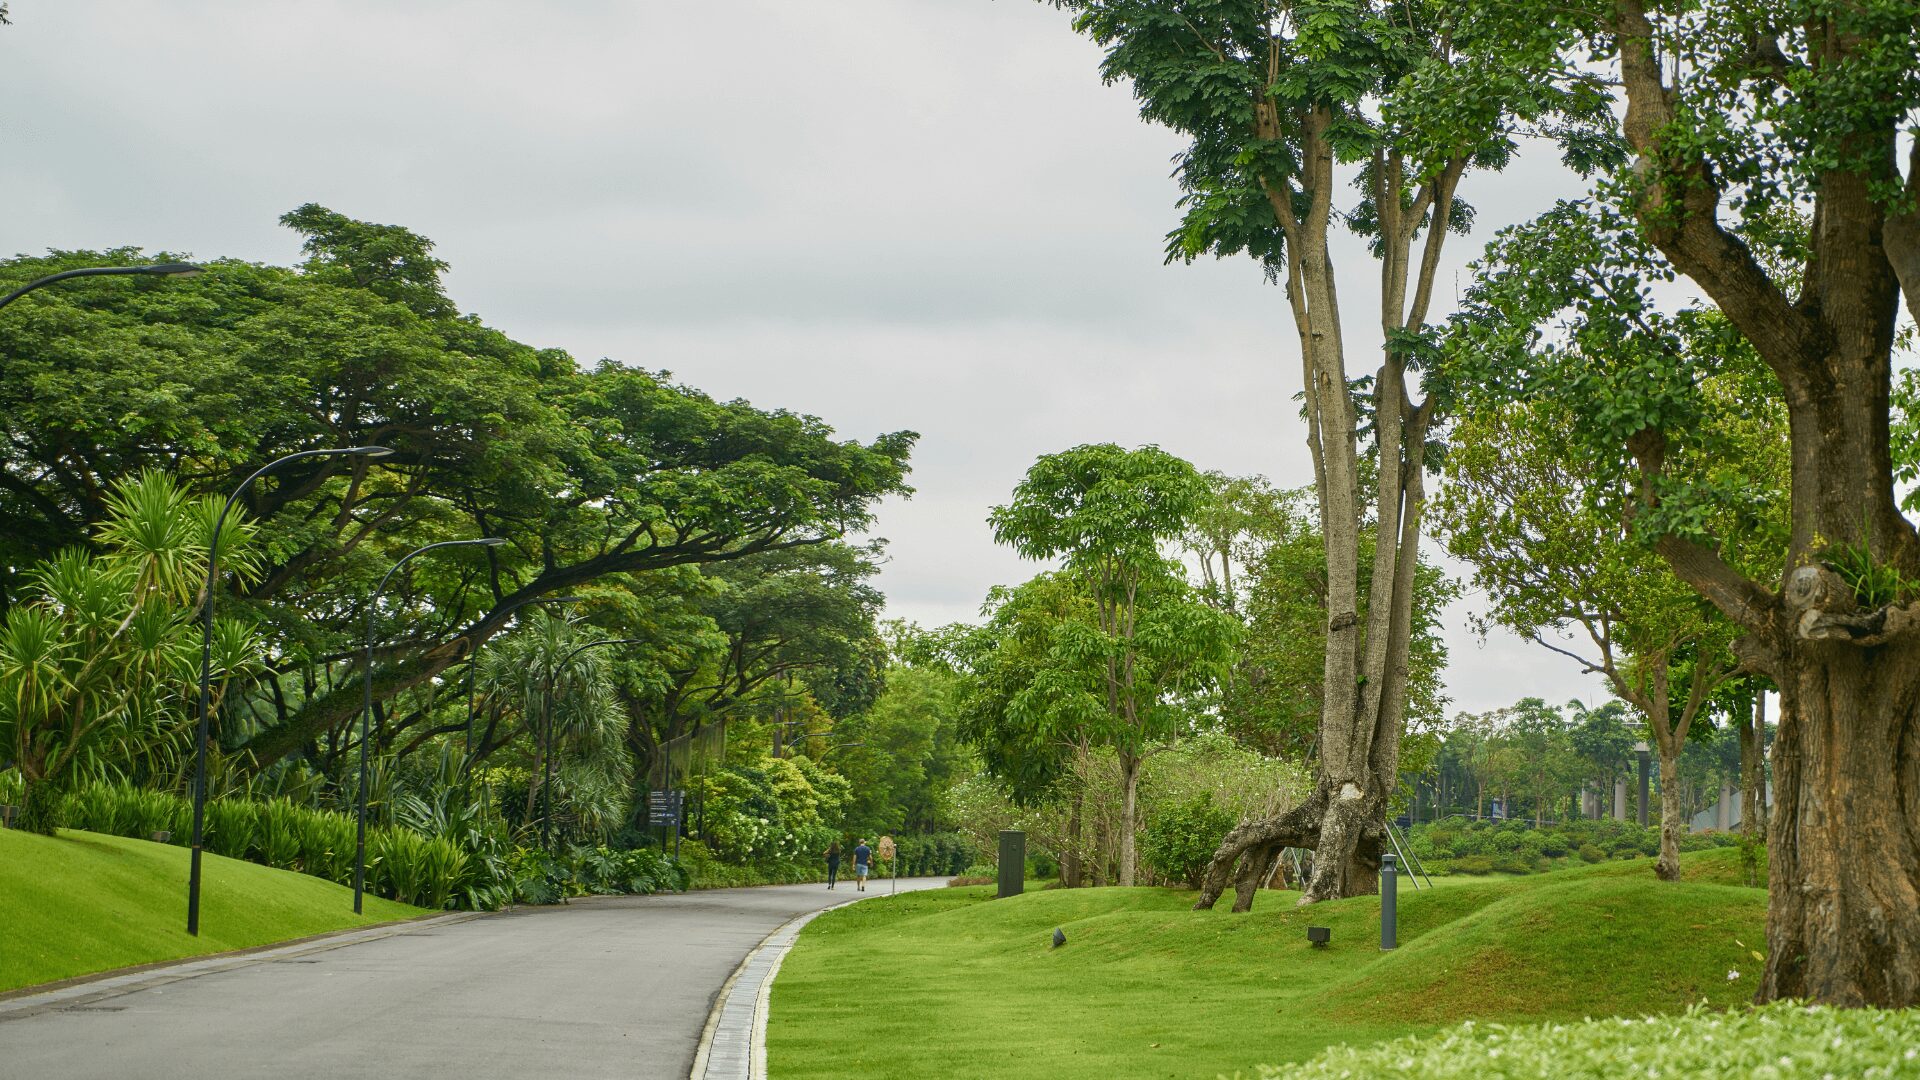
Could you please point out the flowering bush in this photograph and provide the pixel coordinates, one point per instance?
(1772, 1042)
(773, 811)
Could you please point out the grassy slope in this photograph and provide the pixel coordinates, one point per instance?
(83, 902)
(944, 984)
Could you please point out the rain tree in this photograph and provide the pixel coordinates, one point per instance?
(609, 475)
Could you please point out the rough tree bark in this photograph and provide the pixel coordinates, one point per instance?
(1753, 784)
(1365, 670)
(1843, 920)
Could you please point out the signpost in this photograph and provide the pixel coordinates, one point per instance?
(663, 809)
(887, 853)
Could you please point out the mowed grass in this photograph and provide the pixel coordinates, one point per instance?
(950, 983)
(81, 902)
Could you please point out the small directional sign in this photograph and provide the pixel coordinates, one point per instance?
(663, 807)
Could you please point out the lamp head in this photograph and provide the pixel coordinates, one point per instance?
(488, 541)
(172, 269)
(368, 451)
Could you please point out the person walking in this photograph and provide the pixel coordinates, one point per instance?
(833, 863)
(862, 862)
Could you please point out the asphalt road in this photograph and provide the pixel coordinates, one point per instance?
(602, 987)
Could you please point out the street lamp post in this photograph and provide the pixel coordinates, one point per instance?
(546, 736)
(366, 707)
(172, 269)
(1645, 754)
(206, 645)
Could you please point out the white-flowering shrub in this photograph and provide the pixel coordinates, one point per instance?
(1782, 1041)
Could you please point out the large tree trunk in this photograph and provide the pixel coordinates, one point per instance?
(1129, 793)
(1843, 917)
(1843, 875)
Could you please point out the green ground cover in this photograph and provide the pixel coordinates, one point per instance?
(83, 902)
(947, 983)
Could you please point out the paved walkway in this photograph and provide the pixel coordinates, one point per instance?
(603, 987)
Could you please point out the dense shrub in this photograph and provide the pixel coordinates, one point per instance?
(1179, 840)
(1517, 847)
(1772, 1042)
(414, 869)
(934, 854)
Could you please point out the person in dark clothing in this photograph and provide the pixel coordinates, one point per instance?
(862, 862)
(833, 863)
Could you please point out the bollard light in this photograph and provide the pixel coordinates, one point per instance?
(1318, 936)
(1389, 914)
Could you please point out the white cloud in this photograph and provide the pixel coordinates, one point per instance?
(923, 214)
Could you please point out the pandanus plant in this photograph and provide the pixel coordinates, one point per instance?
(97, 654)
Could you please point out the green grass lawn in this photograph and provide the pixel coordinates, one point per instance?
(82, 902)
(951, 983)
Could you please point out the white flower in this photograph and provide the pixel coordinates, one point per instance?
(1733, 976)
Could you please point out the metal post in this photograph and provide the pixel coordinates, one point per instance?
(1645, 760)
(366, 707)
(203, 730)
(1389, 913)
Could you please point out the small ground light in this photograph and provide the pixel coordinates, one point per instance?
(1319, 935)
(1059, 938)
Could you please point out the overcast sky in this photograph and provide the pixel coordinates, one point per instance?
(923, 214)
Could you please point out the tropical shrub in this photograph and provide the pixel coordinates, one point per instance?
(414, 869)
(231, 827)
(1179, 841)
(934, 854)
(96, 654)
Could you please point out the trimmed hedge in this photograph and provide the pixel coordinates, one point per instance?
(1772, 1042)
(480, 873)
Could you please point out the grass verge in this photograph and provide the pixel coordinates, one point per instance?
(81, 902)
(945, 983)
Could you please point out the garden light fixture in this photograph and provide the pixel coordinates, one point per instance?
(206, 639)
(167, 269)
(366, 707)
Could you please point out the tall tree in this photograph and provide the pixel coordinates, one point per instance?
(1543, 530)
(1750, 119)
(591, 475)
(1286, 103)
(1105, 512)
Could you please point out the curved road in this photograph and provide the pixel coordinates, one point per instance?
(602, 987)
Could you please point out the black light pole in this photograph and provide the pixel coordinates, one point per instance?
(473, 672)
(1645, 753)
(546, 736)
(174, 269)
(206, 649)
(366, 707)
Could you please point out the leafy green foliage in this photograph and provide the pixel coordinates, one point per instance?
(606, 477)
(1179, 841)
(96, 657)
